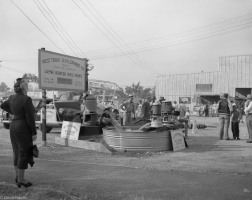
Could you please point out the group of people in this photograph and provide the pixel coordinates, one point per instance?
(228, 112)
(129, 112)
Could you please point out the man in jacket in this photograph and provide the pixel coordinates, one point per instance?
(129, 108)
(146, 110)
(224, 110)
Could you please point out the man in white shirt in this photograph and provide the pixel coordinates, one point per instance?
(248, 113)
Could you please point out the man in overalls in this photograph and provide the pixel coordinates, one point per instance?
(129, 108)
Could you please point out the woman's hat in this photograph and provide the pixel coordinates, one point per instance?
(18, 82)
(249, 96)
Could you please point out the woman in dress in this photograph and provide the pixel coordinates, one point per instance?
(22, 129)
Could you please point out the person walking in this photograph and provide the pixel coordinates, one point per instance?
(22, 129)
(184, 118)
(248, 113)
(224, 110)
(235, 120)
(129, 108)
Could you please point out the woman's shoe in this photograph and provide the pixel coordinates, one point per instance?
(28, 184)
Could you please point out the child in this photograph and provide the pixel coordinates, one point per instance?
(235, 120)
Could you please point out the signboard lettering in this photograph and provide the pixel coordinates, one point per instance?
(61, 72)
(178, 141)
(186, 100)
(70, 130)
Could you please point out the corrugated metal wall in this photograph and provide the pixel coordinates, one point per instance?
(234, 72)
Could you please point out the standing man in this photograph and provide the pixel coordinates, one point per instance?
(206, 110)
(248, 113)
(161, 99)
(175, 109)
(129, 108)
(224, 108)
(146, 110)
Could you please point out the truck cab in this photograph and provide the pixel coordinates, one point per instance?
(68, 107)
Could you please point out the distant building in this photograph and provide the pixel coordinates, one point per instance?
(234, 76)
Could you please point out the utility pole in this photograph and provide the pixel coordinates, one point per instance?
(43, 125)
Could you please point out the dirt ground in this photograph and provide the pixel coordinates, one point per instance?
(208, 169)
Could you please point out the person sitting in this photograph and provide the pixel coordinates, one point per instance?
(105, 117)
(115, 114)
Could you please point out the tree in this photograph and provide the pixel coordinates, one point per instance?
(31, 77)
(121, 94)
(33, 81)
(138, 91)
(3, 87)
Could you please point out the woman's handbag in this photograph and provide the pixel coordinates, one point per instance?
(35, 151)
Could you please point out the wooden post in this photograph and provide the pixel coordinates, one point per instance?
(44, 118)
(86, 78)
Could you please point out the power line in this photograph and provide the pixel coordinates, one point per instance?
(108, 37)
(176, 43)
(53, 25)
(197, 30)
(37, 26)
(12, 69)
(19, 8)
(60, 25)
(64, 33)
(6, 72)
(217, 27)
(113, 33)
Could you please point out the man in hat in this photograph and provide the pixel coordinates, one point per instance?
(129, 108)
(224, 109)
(248, 113)
(146, 109)
(161, 99)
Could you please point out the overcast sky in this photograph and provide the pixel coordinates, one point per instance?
(127, 41)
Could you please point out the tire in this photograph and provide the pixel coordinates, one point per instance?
(6, 126)
(48, 129)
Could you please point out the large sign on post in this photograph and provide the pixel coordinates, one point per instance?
(61, 72)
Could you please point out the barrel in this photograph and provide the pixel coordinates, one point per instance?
(91, 103)
(156, 108)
